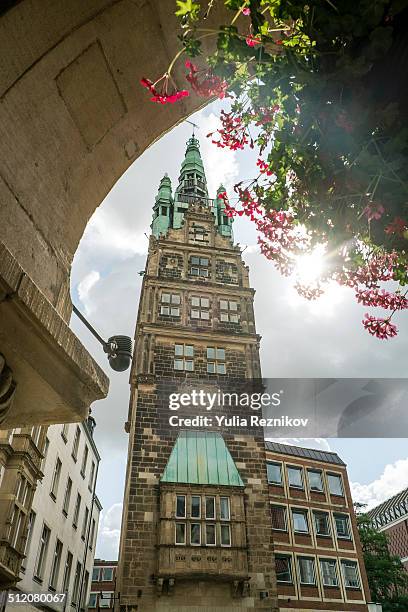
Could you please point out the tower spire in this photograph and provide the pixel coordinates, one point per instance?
(192, 186)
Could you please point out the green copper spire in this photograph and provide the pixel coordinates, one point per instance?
(192, 185)
(163, 208)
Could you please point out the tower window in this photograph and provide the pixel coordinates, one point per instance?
(183, 354)
(170, 304)
(180, 533)
(199, 266)
(195, 534)
(225, 535)
(216, 360)
(181, 506)
(210, 534)
(164, 210)
(229, 311)
(195, 506)
(200, 308)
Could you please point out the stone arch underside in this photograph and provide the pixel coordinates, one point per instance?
(73, 117)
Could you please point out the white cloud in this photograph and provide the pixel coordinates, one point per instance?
(109, 532)
(393, 480)
(85, 286)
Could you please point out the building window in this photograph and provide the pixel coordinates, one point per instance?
(342, 526)
(306, 570)
(315, 480)
(210, 507)
(199, 266)
(200, 308)
(216, 360)
(195, 506)
(229, 311)
(274, 472)
(170, 304)
(84, 461)
(295, 477)
(300, 524)
(67, 496)
(17, 520)
(180, 533)
(55, 479)
(95, 574)
(181, 506)
(85, 523)
(75, 588)
(92, 600)
(329, 572)
(350, 574)
(30, 528)
(76, 511)
(224, 508)
(107, 574)
(335, 484)
(225, 535)
(45, 453)
(67, 572)
(75, 444)
(195, 534)
(210, 534)
(91, 539)
(278, 514)
(56, 562)
(64, 432)
(84, 590)
(321, 520)
(283, 565)
(183, 357)
(42, 552)
(91, 476)
(105, 599)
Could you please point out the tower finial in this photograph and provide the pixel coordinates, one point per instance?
(194, 126)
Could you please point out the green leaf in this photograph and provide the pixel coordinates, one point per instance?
(188, 8)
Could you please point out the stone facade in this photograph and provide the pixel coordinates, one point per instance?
(172, 353)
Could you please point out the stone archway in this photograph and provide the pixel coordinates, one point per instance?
(73, 117)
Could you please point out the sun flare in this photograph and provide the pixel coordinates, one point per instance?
(309, 267)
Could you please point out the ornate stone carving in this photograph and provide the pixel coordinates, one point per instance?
(7, 388)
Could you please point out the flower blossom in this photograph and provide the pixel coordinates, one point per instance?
(252, 41)
(163, 96)
(264, 168)
(233, 134)
(381, 299)
(380, 328)
(374, 211)
(205, 83)
(246, 11)
(398, 226)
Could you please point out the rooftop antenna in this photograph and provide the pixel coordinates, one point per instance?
(193, 124)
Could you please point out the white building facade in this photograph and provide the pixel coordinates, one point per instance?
(64, 519)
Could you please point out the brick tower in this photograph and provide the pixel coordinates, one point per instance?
(196, 528)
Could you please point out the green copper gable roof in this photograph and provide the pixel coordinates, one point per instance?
(192, 159)
(202, 458)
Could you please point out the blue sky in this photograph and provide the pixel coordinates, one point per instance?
(299, 338)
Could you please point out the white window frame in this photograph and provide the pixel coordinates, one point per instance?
(175, 533)
(206, 525)
(312, 560)
(182, 516)
(333, 563)
(224, 526)
(290, 568)
(228, 518)
(346, 518)
(327, 517)
(311, 488)
(303, 512)
(276, 464)
(296, 468)
(340, 480)
(285, 514)
(190, 533)
(213, 517)
(354, 564)
(199, 506)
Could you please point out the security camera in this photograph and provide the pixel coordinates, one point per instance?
(119, 350)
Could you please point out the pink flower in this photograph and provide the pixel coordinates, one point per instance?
(251, 41)
(163, 96)
(263, 167)
(380, 328)
(208, 85)
(397, 226)
(374, 211)
(246, 11)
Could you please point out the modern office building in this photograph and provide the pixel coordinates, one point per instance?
(391, 517)
(103, 584)
(63, 521)
(203, 525)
